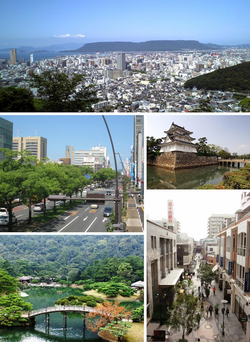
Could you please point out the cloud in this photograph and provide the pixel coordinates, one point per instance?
(69, 36)
(243, 149)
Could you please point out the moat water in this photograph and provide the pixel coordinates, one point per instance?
(44, 297)
(158, 178)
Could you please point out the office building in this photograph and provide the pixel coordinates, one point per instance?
(121, 62)
(95, 157)
(6, 135)
(70, 153)
(31, 58)
(37, 146)
(13, 56)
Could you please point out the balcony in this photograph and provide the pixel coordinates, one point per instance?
(240, 283)
(241, 251)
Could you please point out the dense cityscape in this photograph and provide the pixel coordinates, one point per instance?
(138, 82)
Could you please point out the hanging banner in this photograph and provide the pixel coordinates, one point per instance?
(230, 268)
(217, 258)
(247, 282)
(221, 261)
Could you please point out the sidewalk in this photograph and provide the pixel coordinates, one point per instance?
(233, 329)
(210, 329)
(133, 220)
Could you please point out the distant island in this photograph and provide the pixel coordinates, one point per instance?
(235, 78)
(151, 45)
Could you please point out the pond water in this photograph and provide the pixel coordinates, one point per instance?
(158, 178)
(44, 297)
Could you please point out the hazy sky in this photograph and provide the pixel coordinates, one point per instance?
(81, 131)
(40, 22)
(231, 131)
(192, 208)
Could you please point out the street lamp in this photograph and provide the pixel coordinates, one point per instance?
(116, 187)
(224, 302)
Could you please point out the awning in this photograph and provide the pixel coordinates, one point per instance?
(172, 278)
(215, 268)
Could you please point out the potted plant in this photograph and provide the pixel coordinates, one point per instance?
(216, 308)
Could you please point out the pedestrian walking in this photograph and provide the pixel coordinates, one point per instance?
(211, 310)
(207, 310)
(214, 289)
(227, 312)
(222, 311)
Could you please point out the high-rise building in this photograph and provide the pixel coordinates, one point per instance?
(6, 135)
(37, 146)
(121, 62)
(138, 156)
(70, 153)
(13, 56)
(96, 157)
(31, 58)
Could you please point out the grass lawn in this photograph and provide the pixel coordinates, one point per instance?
(118, 298)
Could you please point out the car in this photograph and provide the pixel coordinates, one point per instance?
(108, 193)
(3, 211)
(94, 206)
(4, 219)
(39, 207)
(108, 211)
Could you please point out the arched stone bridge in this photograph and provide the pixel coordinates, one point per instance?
(59, 308)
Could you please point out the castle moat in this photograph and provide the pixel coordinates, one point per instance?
(160, 178)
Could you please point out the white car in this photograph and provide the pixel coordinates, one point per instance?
(4, 220)
(39, 207)
(3, 211)
(94, 206)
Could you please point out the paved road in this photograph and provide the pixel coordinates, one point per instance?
(82, 218)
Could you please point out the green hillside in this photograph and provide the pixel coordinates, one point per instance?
(235, 78)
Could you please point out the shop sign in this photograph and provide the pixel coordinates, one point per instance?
(221, 261)
(217, 258)
(243, 319)
(230, 268)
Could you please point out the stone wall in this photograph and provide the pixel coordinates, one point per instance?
(182, 160)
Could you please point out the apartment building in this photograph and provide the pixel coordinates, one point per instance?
(217, 222)
(233, 261)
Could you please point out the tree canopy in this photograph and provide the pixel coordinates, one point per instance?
(60, 92)
(16, 100)
(234, 78)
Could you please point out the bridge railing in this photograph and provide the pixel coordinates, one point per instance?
(58, 308)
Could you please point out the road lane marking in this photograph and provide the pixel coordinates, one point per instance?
(19, 215)
(85, 218)
(67, 224)
(92, 211)
(66, 218)
(90, 225)
(105, 219)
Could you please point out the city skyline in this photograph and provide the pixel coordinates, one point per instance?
(227, 131)
(223, 22)
(81, 131)
(192, 208)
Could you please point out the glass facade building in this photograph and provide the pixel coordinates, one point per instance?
(6, 135)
